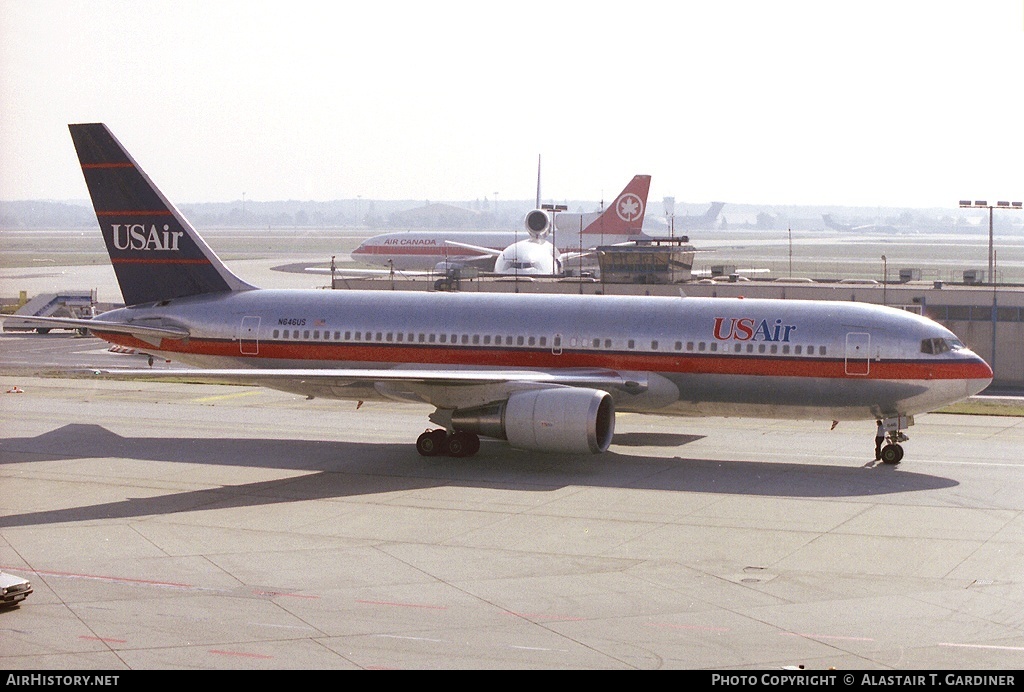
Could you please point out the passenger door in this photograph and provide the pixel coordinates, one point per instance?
(858, 353)
(249, 336)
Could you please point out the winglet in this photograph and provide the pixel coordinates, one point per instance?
(157, 255)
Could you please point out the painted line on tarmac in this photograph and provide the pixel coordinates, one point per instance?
(221, 397)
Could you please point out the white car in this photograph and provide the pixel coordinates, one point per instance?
(13, 589)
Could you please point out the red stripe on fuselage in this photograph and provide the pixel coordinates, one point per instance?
(130, 212)
(389, 354)
(414, 250)
(121, 164)
(426, 250)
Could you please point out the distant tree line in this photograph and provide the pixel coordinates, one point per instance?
(382, 215)
(358, 213)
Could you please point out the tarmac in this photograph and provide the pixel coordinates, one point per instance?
(179, 526)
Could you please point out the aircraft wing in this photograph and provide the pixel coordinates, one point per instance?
(367, 273)
(485, 252)
(566, 256)
(596, 379)
(144, 332)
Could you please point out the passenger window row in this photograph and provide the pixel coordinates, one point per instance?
(539, 341)
(783, 349)
(409, 337)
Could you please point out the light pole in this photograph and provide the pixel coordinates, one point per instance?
(790, 230)
(553, 209)
(982, 204)
(885, 279)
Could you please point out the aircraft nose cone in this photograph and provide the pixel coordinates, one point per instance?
(988, 367)
(979, 374)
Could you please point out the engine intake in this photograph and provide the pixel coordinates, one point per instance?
(565, 420)
(537, 223)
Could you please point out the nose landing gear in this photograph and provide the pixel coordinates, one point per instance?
(892, 452)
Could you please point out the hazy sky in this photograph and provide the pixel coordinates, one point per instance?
(868, 103)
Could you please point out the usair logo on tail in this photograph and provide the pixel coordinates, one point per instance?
(137, 237)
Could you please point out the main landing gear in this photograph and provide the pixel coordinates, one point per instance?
(438, 442)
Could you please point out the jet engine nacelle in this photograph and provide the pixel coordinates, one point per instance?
(568, 420)
(537, 223)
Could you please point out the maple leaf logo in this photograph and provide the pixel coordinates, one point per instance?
(630, 207)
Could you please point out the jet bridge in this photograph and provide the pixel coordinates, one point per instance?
(70, 303)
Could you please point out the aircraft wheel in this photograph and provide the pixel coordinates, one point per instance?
(431, 443)
(892, 454)
(463, 444)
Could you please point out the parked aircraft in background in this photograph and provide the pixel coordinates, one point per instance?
(538, 256)
(708, 219)
(533, 256)
(439, 251)
(547, 373)
(836, 226)
(690, 222)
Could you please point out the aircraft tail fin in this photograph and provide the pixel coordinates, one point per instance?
(157, 255)
(711, 215)
(835, 225)
(624, 216)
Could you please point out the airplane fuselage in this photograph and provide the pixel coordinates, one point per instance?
(688, 356)
(425, 250)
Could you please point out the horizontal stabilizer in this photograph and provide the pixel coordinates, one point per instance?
(144, 332)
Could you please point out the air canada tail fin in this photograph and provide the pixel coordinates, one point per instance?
(156, 253)
(624, 216)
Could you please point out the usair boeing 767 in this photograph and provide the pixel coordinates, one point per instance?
(546, 373)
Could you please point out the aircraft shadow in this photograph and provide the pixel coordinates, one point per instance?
(346, 469)
(653, 439)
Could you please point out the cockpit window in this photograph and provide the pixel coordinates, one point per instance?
(937, 346)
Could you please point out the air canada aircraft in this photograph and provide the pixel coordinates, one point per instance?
(508, 252)
(533, 256)
(546, 373)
